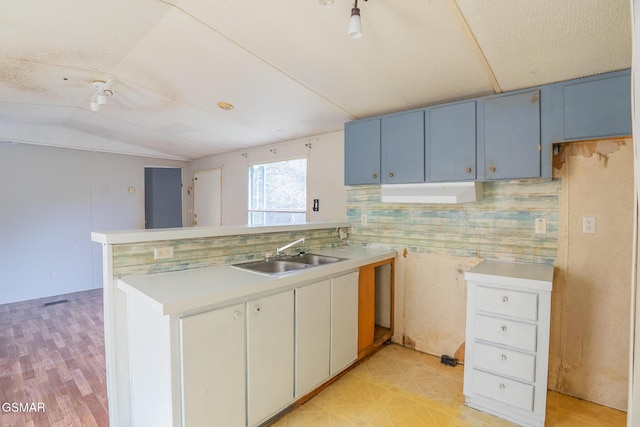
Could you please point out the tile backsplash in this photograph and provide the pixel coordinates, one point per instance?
(137, 258)
(499, 227)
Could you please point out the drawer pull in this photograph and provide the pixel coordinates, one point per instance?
(390, 174)
(505, 299)
(502, 386)
(375, 175)
(503, 357)
(503, 328)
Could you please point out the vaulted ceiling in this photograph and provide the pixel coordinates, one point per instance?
(288, 66)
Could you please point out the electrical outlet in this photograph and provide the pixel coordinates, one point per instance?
(541, 226)
(163, 253)
(589, 224)
(363, 219)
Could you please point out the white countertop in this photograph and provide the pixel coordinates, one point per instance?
(153, 235)
(539, 276)
(191, 290)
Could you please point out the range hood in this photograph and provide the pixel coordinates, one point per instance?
(443, 192)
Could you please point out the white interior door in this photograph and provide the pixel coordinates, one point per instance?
(206, 197)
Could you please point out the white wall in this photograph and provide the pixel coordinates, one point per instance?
(50, 201)
(325, 180)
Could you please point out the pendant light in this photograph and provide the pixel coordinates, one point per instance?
(355, 25)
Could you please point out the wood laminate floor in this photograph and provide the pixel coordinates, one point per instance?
(52, 360)
(53, 357)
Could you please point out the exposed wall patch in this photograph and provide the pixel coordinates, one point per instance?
(602, 148)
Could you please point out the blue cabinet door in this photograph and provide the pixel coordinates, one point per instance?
(597, 108)
(403, 148)
(511, 137)
(451, 142)
(362, 152)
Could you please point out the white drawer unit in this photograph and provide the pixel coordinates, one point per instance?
(507, 340)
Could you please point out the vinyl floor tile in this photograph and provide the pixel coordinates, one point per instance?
(399, 387)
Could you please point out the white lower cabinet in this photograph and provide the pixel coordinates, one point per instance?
(507, 340)
(344, 321)
(242, 364)
(313, 336)
(213, 368)
(270, 363)
(326, 330)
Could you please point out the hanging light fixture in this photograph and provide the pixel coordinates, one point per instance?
(355, 25)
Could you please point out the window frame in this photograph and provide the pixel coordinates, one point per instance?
(251, 210)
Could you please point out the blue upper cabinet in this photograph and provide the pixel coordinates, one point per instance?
(509, 146)
(362, 152)
(403, 148)
(451, 142)
(506, 136)
(597, 108)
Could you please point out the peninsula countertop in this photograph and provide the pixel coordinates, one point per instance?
(190, 291)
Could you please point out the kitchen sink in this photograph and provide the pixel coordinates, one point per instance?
(287, 264)
(271, 266)
(314, 259)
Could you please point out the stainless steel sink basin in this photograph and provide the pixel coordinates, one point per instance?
(285, 265)
(271, 266)
(314, 259)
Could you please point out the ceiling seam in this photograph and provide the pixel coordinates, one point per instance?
(471, 37)
(257, 57)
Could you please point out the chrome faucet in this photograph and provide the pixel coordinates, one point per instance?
(278, 250)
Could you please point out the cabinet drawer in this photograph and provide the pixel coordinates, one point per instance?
(507, 302)
(503, 390)
(504, 362)
(507, 332)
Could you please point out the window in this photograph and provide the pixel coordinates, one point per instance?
(278, 192)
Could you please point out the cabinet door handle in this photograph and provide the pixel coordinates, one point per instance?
(390, 174)
(503, 357)
(236, 315)
(468, 170)
(503, 328)
(502, 386)
(375, 175)
(493, 168)
(257, 309)
(505, 299)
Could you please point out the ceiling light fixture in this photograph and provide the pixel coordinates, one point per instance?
(325, 3)
(225, 106)
(104, 90)
(355, 25)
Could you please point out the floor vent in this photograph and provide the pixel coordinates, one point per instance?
(47, 304)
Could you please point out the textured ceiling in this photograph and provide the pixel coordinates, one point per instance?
(288, 67)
